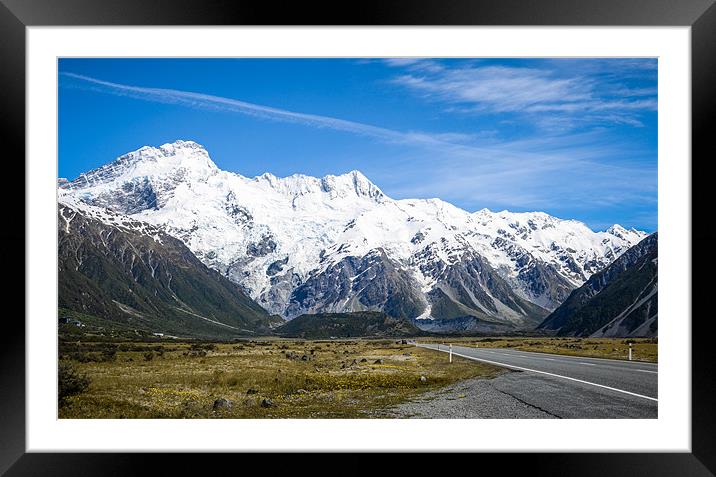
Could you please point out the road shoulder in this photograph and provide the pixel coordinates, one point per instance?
(476, 398)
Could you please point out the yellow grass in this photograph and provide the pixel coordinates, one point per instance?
(643, 349)
(333, 381)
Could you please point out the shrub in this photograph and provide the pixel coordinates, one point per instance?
(216, 377)
(196, 347)
(70, 382)
(109, 355)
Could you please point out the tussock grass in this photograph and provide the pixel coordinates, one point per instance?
(182, 380)
(643, 349)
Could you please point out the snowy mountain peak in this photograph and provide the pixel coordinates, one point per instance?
(179, 157)
(351, 184)
(292, 242)
(146, 178)
(630, 235)
(187, 154)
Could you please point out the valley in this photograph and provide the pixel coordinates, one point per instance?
(266, 378)
(301, 245)
(292, 378)
(186, 291)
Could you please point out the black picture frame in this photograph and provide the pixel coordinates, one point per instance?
(16, 15)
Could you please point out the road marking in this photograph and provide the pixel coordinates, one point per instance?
(511, 352)
(549, 374)
(628, 365)
(571, 358)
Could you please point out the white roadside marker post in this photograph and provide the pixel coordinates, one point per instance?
(451, 352)
(629, 351)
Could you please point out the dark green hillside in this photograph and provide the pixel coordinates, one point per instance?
(135, 274)
(346, 325)
(621, 300)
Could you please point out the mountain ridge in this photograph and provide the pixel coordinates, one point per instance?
(132, 273)
(620, 300)
(273, 236)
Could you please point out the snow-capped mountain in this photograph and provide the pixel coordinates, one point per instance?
(134, 276)
(303, 244)
(620, 300)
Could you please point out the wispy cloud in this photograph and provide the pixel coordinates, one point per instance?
(474, 168)
(575, 178)
(206, 101)
(414, 64)
(455, 142)
(532, 91)
(220, 103)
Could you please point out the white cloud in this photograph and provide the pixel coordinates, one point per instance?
(531, 91)
(497, 88)
(219, 103)
(474, 168)
(414, 64)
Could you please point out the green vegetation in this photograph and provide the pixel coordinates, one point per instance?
(148, 281)
(594, 305)
(346, 325)
(268, 378)
(70, 382)
(643, 349)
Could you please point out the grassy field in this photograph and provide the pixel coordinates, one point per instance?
(262, 379)
(643, 349)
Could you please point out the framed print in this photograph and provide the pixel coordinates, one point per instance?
(417, 229)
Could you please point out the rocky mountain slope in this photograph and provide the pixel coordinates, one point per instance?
(303, 244)
(621, 300)
(120, 269)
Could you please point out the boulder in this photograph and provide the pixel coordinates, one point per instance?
(222, 403)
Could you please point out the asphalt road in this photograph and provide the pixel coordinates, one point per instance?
(571, 387)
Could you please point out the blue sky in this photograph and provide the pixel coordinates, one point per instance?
(576, 138)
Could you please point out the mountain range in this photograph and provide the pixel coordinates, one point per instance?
(134, 274)
(620, 300)
(303, 245)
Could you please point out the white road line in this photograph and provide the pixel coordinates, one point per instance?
(550, 374)
(570, 361)
(570, 357)
(566, 358)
